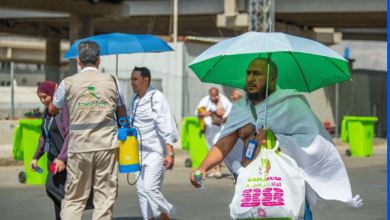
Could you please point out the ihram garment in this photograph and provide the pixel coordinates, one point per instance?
(153, 117)
(302, 137)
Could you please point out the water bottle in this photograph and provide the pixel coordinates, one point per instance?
(39, 170)
(166, 164)
(198, 176)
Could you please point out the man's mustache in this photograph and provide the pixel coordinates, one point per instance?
(250, 84)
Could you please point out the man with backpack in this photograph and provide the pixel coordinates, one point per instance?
(158, 132)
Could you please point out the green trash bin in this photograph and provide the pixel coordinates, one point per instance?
(194, 142)
(17, 149)
(26, 140)
(360, 134)
(344, 128)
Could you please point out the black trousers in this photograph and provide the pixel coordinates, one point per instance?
(57, 208)
(55, 189)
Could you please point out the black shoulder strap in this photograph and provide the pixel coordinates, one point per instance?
(117, 89)
(151, 101)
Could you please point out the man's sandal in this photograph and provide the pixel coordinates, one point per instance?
(210, 175)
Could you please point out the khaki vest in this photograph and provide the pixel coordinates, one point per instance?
(92, 98)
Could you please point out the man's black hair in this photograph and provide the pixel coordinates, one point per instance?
(145, 72)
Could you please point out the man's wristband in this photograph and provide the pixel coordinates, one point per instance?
(171, 154)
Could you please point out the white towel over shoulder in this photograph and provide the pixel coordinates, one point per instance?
(302, 137)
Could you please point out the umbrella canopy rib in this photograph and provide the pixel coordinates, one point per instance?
(212, 67)
(301, 71)
(337, 67)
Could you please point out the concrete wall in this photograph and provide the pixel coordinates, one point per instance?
(376, 82)
(162, 69)
(366, 95)
(321, 105)
(31, 79)
(18, 112)
(193, 89)
(183, 90)
(7, 129)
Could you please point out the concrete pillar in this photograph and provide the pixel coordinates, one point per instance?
(79, 27)
(53, 53)
(87, 27)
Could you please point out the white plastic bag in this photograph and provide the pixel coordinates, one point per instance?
(271, 186)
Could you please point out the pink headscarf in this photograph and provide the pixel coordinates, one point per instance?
(47, 87)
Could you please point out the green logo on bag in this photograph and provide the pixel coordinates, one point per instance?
(265, 166)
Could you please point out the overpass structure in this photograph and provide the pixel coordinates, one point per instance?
(327, 21)
(355, 19)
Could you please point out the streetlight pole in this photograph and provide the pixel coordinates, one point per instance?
(175, 30)
(12, 92)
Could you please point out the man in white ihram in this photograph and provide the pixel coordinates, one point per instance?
(237, 94)
(214, 105)
(153, 117)
(300, 133)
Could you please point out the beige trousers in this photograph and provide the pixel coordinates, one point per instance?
(98, 169)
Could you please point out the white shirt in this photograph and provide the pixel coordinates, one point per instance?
(213, 131)
(157, 126)
(60, 98)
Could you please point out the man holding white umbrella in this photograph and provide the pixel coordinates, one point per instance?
(292, 63)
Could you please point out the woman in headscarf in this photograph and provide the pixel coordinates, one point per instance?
(54, 141)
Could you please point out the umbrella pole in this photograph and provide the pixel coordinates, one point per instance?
(266, 90)
(116, 66)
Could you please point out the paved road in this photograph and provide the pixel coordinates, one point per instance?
(368, 177)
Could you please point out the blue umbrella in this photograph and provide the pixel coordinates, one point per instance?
(118, 43)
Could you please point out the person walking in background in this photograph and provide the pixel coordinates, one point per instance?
(236, 95)
(54, 141)
(213, 109)
(93, 98)
(153, 117)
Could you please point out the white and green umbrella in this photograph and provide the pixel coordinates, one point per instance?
(303, 64)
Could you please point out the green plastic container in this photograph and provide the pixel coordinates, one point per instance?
(26, 140)
(17, 147)
(344, 128)
(360, 134)
(192, 141)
